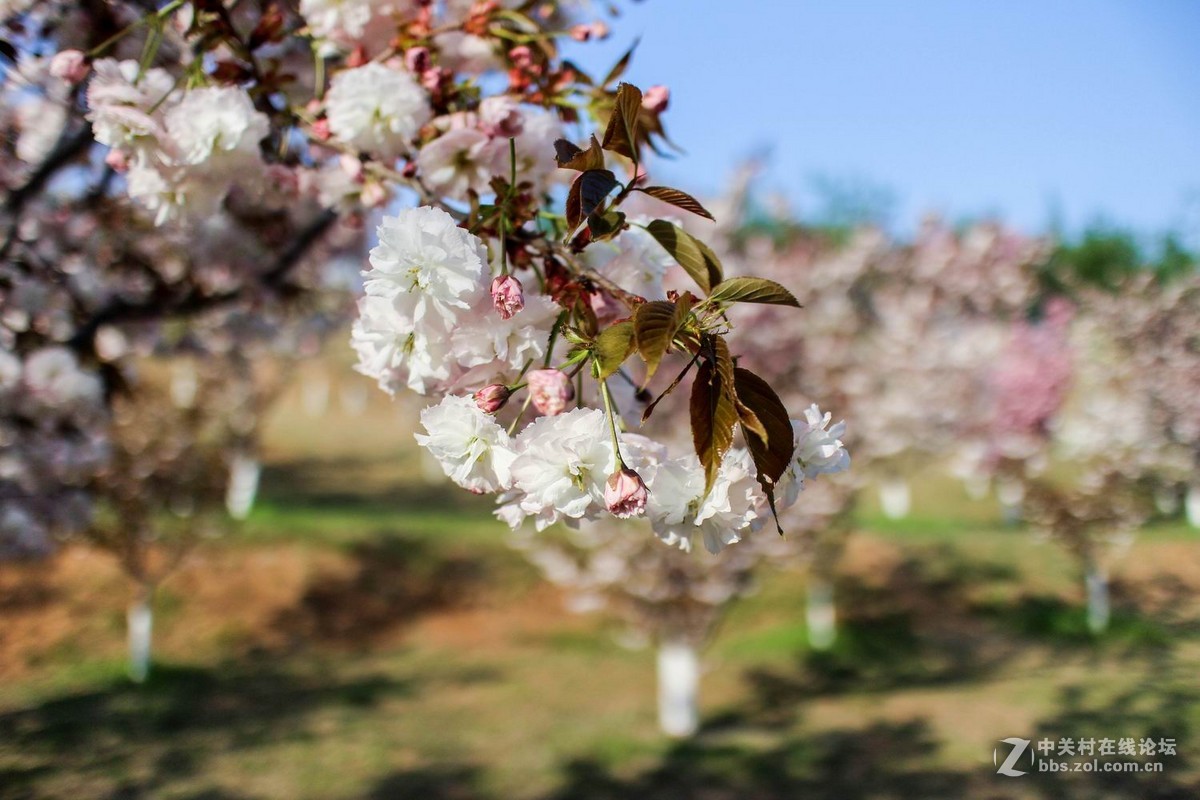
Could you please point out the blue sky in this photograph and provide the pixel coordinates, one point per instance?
(1074, 109)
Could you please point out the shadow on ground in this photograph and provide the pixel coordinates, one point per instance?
(164, 730)
(393, 581)
(352, 483)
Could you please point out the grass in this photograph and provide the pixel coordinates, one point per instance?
(368, 635)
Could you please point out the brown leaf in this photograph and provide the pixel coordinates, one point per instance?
(621, 134)
(568, 155)
(622, 64)
(713, 419)
(676, 198)
(587, 193)
(767, 428)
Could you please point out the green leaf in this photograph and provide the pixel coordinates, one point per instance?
(621, 134)
(612, 347)
(713, 418)
(767, 428)
(587, 193)
(753, 290)
(654, 328)
(606, 225)
(696, 258)
(676, 198)
(568, 155)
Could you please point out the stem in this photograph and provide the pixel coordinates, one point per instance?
(558, 323)
(612, 421)
(517, 382)
(512, 168)
(161, 14)
(319, 73)
(513, 427)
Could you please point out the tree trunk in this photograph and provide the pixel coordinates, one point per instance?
(819, 613)
(1011, 494)
(244, 472)
(1098, 609)
(1166, 500)
(314, 395)
(354, 399)
(140, 621)
(678, 688)
(1192, 506)
(895, 498)
(977, 486)
(183, 383)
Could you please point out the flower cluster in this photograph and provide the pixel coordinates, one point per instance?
(181, 151)
(565, 468)
(428, 320)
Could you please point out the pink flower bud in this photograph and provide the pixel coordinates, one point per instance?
(507, 296)
(522, 57)
(69, 65)
(117, 160)
(550, 390)
(492, 397)
(625, 494)
(373, 194)
(431, 79)
(656, 99)
(417, 59)
(593, 30)
(351, 165)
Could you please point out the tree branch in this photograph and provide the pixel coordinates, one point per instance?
(158, 306)
(68, 147)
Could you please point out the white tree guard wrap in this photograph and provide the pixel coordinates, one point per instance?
(678, 688)
(244, 473)
(354, 398)
(1011, 495)
(820, 615)
(184, 384)
(1191, 505)
(1098, 608)
(140, 621)
(895, 498)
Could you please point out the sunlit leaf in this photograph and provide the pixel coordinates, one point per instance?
(614, 344)
(696, 258)
(654, 327)
(753, 290)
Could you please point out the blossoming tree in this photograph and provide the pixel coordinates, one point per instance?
(204, 154)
